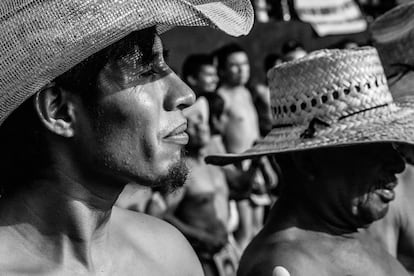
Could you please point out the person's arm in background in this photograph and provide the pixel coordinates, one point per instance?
(197, 237)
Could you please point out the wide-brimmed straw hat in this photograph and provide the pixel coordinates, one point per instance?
(41, 39)
(393, 36)
(330, 98)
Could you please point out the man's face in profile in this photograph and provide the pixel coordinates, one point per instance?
(136, 131)
(359, 180)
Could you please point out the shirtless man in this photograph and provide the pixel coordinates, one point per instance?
(242, 128)
(313, 229)
(200, 210)
(338, 166)
(87, 105)
(393, 34)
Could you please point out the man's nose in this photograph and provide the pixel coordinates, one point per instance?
(179, 95)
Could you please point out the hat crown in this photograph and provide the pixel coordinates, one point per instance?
(42, 39)
(328, 85)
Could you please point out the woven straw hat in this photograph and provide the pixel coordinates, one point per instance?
(41, 39)
(330, 98)
(393, 36)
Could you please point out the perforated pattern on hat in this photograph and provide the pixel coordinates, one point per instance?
(328, 85)
(331, 98)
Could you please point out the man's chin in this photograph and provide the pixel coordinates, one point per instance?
(174, 179)
(374, 215)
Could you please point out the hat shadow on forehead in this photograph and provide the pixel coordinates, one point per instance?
(40, 40)
(330, 98)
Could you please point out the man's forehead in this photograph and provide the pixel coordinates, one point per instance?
(133, 57)
(208, 69)
(237, 57)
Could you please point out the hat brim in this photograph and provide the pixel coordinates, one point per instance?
(43, 40)
(391, 123)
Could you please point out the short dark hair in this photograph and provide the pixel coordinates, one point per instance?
(270, 61)
(224, 52)
(23, 142)
(193, 64)
(290, 46)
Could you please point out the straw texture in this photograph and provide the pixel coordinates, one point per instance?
(393, 35)
(41, 39)
(331, 98)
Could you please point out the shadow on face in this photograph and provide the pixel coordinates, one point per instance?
(354, 183)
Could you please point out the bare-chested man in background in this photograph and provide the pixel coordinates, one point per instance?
(242, 128)
(234, 70)
(200, 210)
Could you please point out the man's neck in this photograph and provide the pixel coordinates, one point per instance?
(298, 212)
(60, 219)
(233, 86)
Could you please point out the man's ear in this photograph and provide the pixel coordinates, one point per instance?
(55, 108)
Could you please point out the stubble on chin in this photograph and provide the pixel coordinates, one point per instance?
(174, 179)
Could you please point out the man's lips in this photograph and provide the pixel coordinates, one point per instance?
(386, 195)
(386, 190)
(178, 135)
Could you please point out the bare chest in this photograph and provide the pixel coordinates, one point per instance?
(207, 179)
(240, 106)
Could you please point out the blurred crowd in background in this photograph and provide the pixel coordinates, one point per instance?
(222, 208)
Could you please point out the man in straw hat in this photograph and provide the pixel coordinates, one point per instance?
(88, 104)
(393, 35)
(334, 129)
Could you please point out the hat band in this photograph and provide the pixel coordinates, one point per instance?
(310, 131)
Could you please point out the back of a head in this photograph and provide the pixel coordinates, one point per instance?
(292, 50)
(22, 146)
(291, 45)
(193, 64)
(271, 60)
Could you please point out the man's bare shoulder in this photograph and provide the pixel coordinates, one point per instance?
(267, 252)
(17, 256)
(156, 239)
